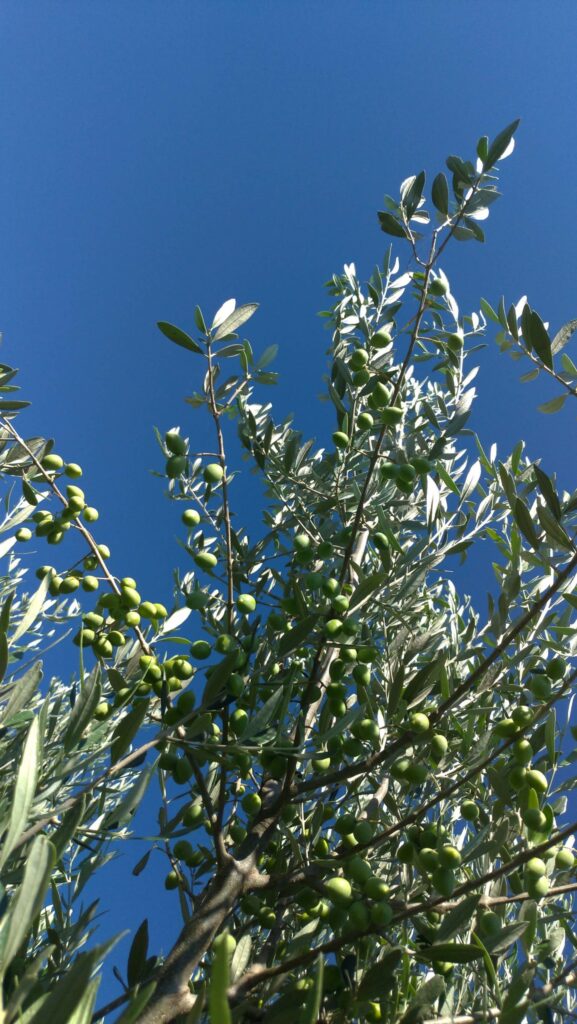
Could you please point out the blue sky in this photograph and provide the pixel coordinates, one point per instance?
(157, 155)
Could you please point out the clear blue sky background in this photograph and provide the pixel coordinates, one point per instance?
(160, 154)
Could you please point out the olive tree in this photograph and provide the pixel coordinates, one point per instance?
(364, 779)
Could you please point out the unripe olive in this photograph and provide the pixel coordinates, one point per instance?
(130, 598)
(455, 341)
(490, 923)
(102, 647)
(24, 534)
(182, 771)
(85, 637)
(175, 466)
(161, 611)
(172, 880)
(381, 338)
(359, 359)
(380, 395)
(238, 721)
(556, 668)
(102, 711)
(400, 767)
(375, 888)
(116, 638)
(363, 831)
(251, 803)
(522, 714)
(537, 887)
(345, 824)
(69, 585)
(325, 549)
(147, 610)
(564, 859)
(333, 627)
(175, 443)
(103, 551)
(444, 881)
(321, 764)
(534, 819)
(341, 604)
(246, 603)
(422, 465)
(132, 618)
(406, 853)
(535, 867)
(358, 916)
(439, 747)
(438, 286)
(340, 439)
(200, 649)
(449, 856)
(205, 560)
(517, 777)
(522, 752)
(54, 536)
(361, 377)
(505, 728)
(192, 816)
(357, 869)
(419, 722)
(93, 619)
(190, 517)
(183, 850)
(338, 890)
(73, 470)
(213, 473)
(365, 421)
(90, 583)
(540, 686)
(366, 729)
(429, 858)
(381, 916)
(52, 462)
(537, 780)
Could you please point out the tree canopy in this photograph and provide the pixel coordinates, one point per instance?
(363, 778)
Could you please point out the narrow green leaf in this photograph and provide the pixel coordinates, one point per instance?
(29, 898)
(67, 995)
(457, 917)
(24, 689)
(179, 337)
(241, 957)
(138, 1003)
(427, 994)
(218, 1005)
(568, 365)
(24, 790)
(219, 676)
(265, 714)
(540, 340)
(3, 654)
(199, 320)
(137, 954)
(525, 378)
(563, 336)
(68, 826)
(412, 194)
(488, 310)
(133, 798)
(440, 193)
(296, 636)
(126, 730)
(84, 708)
(379, 978)
(524, 521)
(390, 225)
(33, 609)
(554, 404)
(509, 934)
(312, 1007)
(236, 319)
(500, 144)
(451, 952)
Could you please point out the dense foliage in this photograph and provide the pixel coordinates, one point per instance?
(364, 778)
